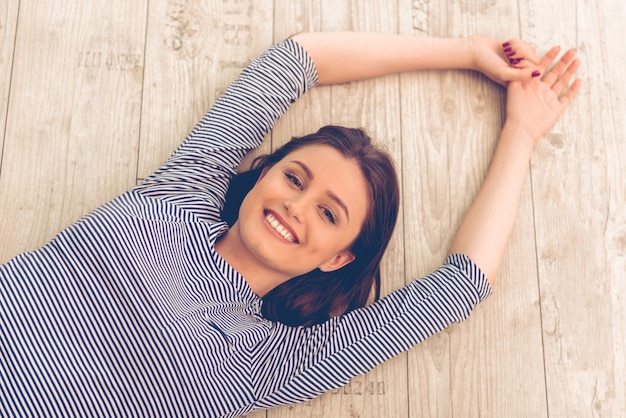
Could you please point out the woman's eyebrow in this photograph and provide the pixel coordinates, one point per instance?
(330, 194)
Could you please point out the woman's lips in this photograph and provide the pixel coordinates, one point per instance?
(283, 229)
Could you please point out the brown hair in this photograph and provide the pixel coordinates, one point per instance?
(316, 296)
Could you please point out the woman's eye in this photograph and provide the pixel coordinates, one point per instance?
(329, 215)
(294, 180)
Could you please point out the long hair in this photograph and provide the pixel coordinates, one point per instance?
(316, 296)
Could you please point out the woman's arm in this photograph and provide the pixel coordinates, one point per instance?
(347, 56)
(332, 353)
(532, 108)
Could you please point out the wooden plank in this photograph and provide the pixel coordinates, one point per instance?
(73, 116)
(8, 26)
(609, 395)
(195, 49)
(373, 105)
(580, 196)
(490, 365)
(426, 198)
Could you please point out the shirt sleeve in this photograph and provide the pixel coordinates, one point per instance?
(197, 174)
(311, 361)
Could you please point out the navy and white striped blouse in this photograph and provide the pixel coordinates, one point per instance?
(131, 312)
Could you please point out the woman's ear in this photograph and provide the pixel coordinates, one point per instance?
(337, 262)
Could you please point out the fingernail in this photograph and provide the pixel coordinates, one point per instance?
(505, 45)
(536, 74)
(510, 54)
(507, 49)
(515, 61)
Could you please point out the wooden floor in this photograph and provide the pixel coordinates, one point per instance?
(94, 95)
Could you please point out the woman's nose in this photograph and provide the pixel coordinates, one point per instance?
(296, 207)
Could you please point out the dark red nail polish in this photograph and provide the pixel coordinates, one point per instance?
(536, 74)
(505, 45)
(510, 54)
(507, 49)
(515, 61)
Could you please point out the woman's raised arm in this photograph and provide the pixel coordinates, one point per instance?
(348, 56)
(532, 108)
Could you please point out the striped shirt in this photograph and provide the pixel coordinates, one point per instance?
(131, 311)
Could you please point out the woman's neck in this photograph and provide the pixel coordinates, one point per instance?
(260, 278)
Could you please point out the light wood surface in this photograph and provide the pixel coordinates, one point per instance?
(96, 95)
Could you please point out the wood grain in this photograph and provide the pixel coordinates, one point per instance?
(194, 50)
(577, 192)
(8, 23)
(73, 116)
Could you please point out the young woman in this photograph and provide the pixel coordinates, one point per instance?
(314, 294)
(152, 306)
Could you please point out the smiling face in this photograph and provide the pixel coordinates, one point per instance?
(303, 213)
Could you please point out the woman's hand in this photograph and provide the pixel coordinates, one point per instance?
(535, 105)
(514, 60)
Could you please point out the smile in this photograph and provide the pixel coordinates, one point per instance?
(273, 222)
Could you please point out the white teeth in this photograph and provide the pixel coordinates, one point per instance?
(278, 227)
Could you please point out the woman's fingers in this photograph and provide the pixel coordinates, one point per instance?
(569, 95)
(551, 76)
(561, 83)
(520, 53)
(549, 57)
(560, 75)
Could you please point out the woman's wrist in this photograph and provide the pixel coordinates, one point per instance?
(515, 132)
(471, 46)
(455, 53)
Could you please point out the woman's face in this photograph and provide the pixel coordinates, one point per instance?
(304, 212)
